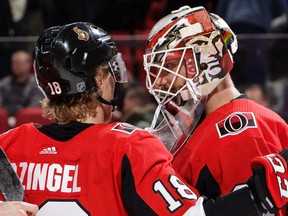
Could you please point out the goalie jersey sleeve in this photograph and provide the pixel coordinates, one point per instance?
(216, 158)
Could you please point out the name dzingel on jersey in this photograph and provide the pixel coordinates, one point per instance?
(51, 177)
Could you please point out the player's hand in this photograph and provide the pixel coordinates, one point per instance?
(17, 208)
(269, 182)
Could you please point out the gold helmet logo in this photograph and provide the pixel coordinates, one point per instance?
(82, 35)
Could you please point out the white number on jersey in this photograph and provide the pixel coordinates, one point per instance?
(181, 188)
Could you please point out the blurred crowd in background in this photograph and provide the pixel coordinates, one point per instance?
(260, 69)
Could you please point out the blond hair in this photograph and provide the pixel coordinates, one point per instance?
(77, 107)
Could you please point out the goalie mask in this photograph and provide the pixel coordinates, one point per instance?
(188, 53)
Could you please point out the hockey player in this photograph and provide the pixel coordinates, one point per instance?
(214, 130)
(84, 165)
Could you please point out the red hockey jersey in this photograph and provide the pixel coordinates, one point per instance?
(216, 158)
(105, 169)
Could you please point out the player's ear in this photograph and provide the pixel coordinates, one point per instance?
(102, 73)
(99, 78)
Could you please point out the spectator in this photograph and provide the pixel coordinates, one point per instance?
(138, 107)
(251, 17)
(13, 22)
(19, 89)
(260, 94)
(279, 24)
(278, 48)
(140, 117)
(13, 17)
(265, 96)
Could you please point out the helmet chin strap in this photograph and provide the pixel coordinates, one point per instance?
(114, 101)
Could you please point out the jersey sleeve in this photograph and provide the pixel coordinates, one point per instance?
(157, 188)
(150, 186)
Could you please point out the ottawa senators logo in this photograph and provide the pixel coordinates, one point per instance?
(82, 35)
(236, 123)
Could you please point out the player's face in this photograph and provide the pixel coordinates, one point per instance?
(208, 50)
(165, 79)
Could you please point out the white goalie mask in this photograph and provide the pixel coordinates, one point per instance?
(188, 53)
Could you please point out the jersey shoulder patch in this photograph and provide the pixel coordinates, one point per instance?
(236, 123)
(125, 128)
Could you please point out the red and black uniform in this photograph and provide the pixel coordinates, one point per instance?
(216, 158)
(106, 169)
(92, 172)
